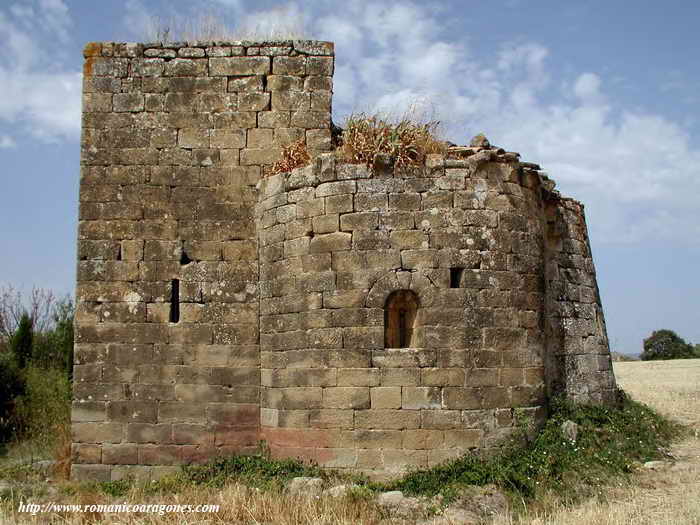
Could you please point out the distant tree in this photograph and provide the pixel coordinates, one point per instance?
(666, 344)
(54, 347)
(40, 304)
(22, 340)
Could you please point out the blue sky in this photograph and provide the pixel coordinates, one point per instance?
(602, 94)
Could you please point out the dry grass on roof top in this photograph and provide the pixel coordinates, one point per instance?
(406, 141)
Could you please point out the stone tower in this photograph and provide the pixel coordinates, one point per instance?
(366, 319)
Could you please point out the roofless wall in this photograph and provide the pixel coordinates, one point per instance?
(366, 319)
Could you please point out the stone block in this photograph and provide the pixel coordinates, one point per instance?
(286, 136)
(149, 433)
(259, 138)
(442, 377)
(331, 418)
(234, 119)
(441, 419)
(403, 357)
(82, 453)
(385, 397)
(289, 65)
(359, 377)
(463, 439)
(462, 398)
(330, 242)
(94, 432)
(181, 412)
(239, 66)
(346, 397)
(123, 454)
(318, 83)
(403, 460)
(132, 411)
(128, 102)
(311, 119)
(363, 337)
(159, 454)
(339, 203)
(254, 101)
(370, 240)
(408, 240)
(185, 67)
(321, 66)
(387, 419)
(245, 84)
(295, 398)
(325, 223)
(422, 397)
(252, 156)
(359, 221)
(88, 411)
(191, 52)
(423, 258)
(286, 83)
(291, 101)
(422, 439)
(400, 376)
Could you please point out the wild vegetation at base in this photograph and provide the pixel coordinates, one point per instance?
(610, 442)
(36, 363)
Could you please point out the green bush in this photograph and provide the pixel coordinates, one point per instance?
(255, 471)
(54, 348)
(666, 344)
(44, 407)
(22, 339)
(35, 373)
(11, 386)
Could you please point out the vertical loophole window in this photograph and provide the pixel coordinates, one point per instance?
(175, 301)
(456, 277)
(400, 315)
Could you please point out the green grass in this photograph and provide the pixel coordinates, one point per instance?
(254, 471)
(611, 442)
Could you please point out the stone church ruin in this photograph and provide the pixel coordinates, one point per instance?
(372, 319)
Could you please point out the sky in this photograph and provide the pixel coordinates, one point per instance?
(602, 94)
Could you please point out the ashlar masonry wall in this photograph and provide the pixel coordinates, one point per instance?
(336, 240)
(175, 138)
(366, 319)
(508, 310)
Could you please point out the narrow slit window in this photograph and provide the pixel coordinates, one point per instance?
(175, 301)
(400, 315)
(456, 277)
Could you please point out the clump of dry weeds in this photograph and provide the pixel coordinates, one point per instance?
(406, 140)
(294, 155)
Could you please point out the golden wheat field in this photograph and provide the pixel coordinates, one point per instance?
(667, 495)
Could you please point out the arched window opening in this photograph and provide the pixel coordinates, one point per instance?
(400, 315)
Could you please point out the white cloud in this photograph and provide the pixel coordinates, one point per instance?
(7, 142)
(636, 172)
(285, 21)
(36, 92)
(587, 86)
